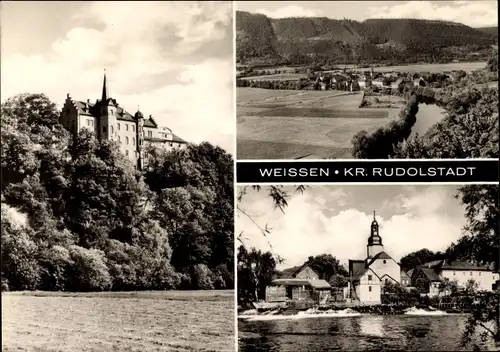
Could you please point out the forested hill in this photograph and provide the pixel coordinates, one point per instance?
(260, 37)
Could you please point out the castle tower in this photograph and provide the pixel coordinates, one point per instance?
(374, 241)
(140, 139)
(107, 114)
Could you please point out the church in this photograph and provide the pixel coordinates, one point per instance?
(367, 277)
(135, 133)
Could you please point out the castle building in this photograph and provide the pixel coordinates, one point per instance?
(109, 121)
(367, 277)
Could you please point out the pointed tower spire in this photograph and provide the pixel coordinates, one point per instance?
(374, 215)
(105, 95)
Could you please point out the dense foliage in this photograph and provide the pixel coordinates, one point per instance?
(470, 128)
(256, 270)
(322, 40)
(77, 216)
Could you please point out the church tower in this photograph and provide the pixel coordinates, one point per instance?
(374, 241)
(107, 111)
(140, 139)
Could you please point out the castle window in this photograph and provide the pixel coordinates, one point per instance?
(171, 144)
(133, 141)
(126, 140)
(369, 289)
(369, 278)
(479, 273)
(112, 129)
(133, 128)
(111, 112)
(126, 127)
(126, 152)
(118, 126)
(385, 261)
(454, 273)
(88, 122)
(150, 134)
(119, 139)
(104, 128)
(471, 273)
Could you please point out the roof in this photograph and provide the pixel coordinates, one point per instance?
(361, 274)
(410, 272)
(320, 284)
(404, 274)
(317, 284)
(457, 265)
(87, 108)
(454, 265)
(356, 267)
(289, 272)
(150, 123)
(381, 255)
(293, 271)
(430, 274)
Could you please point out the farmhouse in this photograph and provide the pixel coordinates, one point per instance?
(302, 284)
(367, 277)
(109, 121)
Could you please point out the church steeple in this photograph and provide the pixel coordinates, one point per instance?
(375, 238)
(105, 95)
(374, 241)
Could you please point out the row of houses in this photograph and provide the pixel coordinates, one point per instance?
(355, 81)
(368, 276)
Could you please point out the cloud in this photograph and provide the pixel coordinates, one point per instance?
(157, 55)
(418, 217)
(471, 13)
(290, 11)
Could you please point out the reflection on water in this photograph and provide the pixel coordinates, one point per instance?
(362, 333)
(427, 116)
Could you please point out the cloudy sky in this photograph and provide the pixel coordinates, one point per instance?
(472, 13)
(174, 60)
(336, 220)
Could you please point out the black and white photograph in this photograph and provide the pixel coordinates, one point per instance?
(368, 268)
(117, 144)
(366, 79)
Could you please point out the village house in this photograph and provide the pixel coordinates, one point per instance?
(419, 82)
(378, 82)
(301, 284)
(109, 121)
(429, 276)
(395, 86)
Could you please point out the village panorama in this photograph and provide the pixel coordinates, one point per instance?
(407, 277)
(320, 87)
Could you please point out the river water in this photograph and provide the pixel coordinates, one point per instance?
(427, 116)
(354, 333)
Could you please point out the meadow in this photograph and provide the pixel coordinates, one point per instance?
(118, 321)
(284, 124)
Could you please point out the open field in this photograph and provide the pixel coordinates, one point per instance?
(287, 76)
(274, 124)
(433, 68)
(118, 321)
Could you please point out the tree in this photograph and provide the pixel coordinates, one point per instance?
(338, 280)
(480, 244)
(326, 266)
(482, 208)
(256, 270)
(422, 256)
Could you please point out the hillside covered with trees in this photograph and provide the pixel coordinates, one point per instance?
(76, 215)
(329, 41)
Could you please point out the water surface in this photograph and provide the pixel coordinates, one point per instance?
(355, 333)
